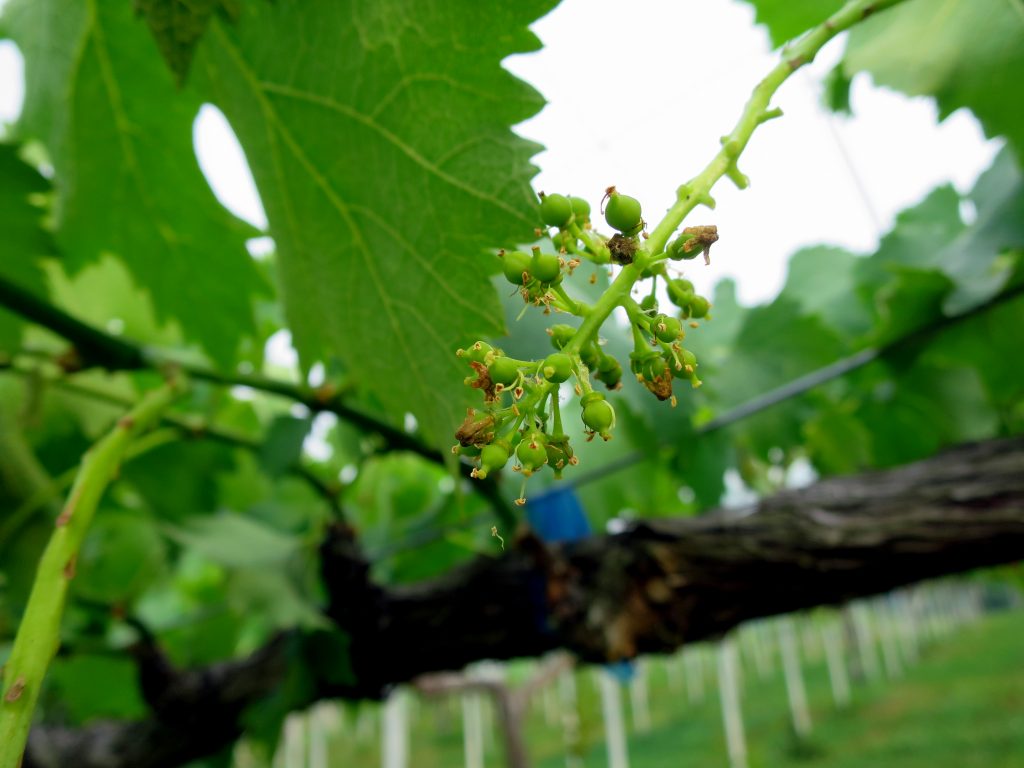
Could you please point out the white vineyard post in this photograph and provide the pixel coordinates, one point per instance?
(729, 695)
(673, 666)
(472, 730)
(614, 726)
(890, 653)
(694, 675)
(639, 698)
(570, 718)
(395, 731)
(866, 650)
(832, 641)
(795, 691)
(318, 723)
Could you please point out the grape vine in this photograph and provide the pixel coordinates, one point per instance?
(521, 418)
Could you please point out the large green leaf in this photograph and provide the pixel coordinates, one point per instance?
(379, 137)
(819, 280)
(964, 53)
(975, 260)
(120, 137)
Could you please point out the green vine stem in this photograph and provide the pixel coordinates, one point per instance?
(698, 190)
(39, 631)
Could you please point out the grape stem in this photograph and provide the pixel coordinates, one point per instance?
(39, 632)
(698, 190)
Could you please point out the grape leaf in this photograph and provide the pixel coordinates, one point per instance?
(283, 444)
(177, 26)
(22, 233)
(120, 137)
(819, 281)
(974, 57)
(381, 147)
(234, 540)
(974, 260)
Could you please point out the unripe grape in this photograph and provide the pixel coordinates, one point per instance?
(476, 352)
(699, 306)
(623, 213)
(688, 364)
(666, 328)
(561, 334)
(649, 303)
(504, 371)
(492, 458)
(598, 415)
(580, 209)
(609, 371)
(677, 248)
(515, 264)
(680, 293)
(531, 452)
(559, 453)
(654, 368)
(590, 357)
(557, 367)
(555, 210)
(546, 267)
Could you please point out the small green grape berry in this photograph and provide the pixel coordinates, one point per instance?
(555, 210)
(590, 357)
(622, 212)
(687, 362)
(609, 371)
(680, 293)
(546, 267)
(477, 352)
(654, 368)
(666, 329)
(638, 358)
(699, 307)
(504, 371)
(598, 415)
(559, 453)
(516, 265)
(566, 240)
(649, 303)
(656, 374)
(492, 458)
(677, 248)
(561, 334)
(557, 367)
(531, 452)
(580, 208)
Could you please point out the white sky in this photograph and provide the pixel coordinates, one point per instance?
(638, 94)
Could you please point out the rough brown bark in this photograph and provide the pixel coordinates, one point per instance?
(649, 589)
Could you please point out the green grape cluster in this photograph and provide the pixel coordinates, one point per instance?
(520, 423)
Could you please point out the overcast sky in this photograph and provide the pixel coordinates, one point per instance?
(639, 93)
